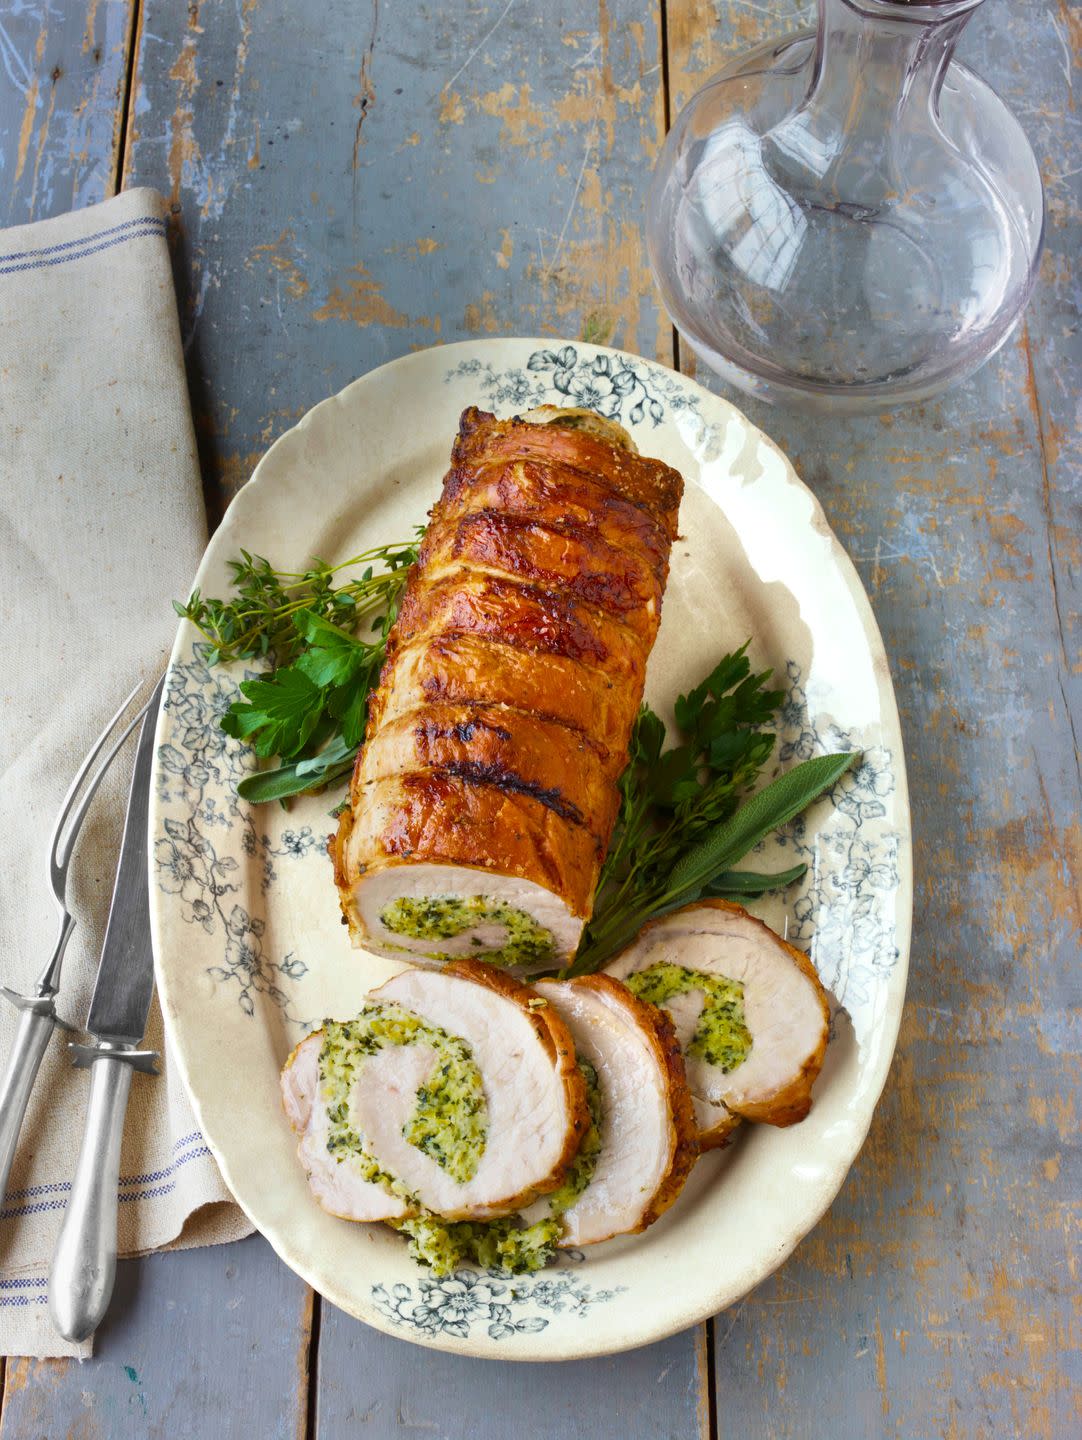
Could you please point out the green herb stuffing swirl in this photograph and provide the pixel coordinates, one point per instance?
(449, 1122)
(721, 1036)
(442, 917)
(506, 1244)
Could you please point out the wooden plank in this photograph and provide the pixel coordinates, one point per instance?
(1041, 95)
(357, 181)
(936, 1297)
(202, 1343)
(383, 1388)
(63, 82)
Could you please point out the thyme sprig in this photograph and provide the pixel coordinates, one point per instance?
(259, 619)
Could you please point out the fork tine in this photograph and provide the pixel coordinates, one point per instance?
(61, 844)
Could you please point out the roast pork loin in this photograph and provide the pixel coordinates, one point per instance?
(647, 1131)
(356, 1094)
(484, 797)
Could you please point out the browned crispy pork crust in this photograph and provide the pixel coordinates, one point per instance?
(651, 484)
(721, 1132)
(560, 555)
(565, 577)
(500, 746)
(529, 617)
(539, 490)
(460, 669)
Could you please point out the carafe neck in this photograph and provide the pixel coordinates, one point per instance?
(876, 58)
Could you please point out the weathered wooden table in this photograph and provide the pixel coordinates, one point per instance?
(352, 181)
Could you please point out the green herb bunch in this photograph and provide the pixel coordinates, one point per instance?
(682, 825)
(310, 709)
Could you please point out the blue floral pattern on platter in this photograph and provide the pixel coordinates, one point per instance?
(197, 775)
(468, 1298)
(619, 387)
(841, 915)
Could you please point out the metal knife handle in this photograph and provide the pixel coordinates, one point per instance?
(84, 1265)
(31, 1038)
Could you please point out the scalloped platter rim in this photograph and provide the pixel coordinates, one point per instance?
(249, 949)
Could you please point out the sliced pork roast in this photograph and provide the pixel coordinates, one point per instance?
(485, 794)
(646, 1138)
(452, 1092)
(339, 1187)
(749, 1010)
(439, 869)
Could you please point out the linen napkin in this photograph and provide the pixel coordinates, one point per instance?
(101, 526)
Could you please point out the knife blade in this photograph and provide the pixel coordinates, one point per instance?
(125, 984)
(84, 1264)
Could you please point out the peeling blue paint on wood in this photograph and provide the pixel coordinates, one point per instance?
(353, 182)
(197, 1345)
(374, 1385)
(63, 81)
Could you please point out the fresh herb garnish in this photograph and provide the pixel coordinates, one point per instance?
(682, 824)
(310, 710)
(260, 618)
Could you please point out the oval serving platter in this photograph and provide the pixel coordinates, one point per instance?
(249, 946)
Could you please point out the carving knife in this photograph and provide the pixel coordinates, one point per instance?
(84, 1265)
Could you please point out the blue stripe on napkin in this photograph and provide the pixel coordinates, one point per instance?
(141, 225)
(61, 1188)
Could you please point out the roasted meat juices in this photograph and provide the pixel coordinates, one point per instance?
(485, 794)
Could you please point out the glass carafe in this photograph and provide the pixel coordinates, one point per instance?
(849, 219)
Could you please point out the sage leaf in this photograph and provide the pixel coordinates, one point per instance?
(288, 780)
(731, 884)
(772, 806)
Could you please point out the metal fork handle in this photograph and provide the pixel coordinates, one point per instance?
(37, 1020)
(84, 1265)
